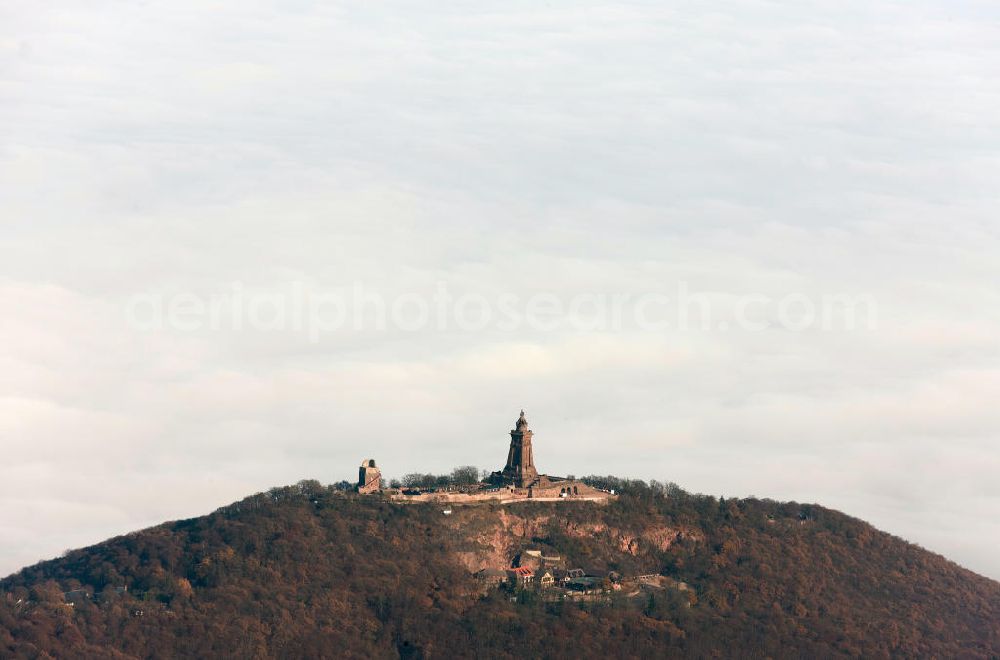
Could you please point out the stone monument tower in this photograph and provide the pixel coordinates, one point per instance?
(520, 469)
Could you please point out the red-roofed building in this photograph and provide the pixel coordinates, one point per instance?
(521, 576)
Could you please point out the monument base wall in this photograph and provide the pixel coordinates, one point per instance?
(546, 490)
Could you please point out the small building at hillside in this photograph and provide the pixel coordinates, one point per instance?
(492, 576)
(585, 585)
(563, 576)
(522, 576)
(547, 578)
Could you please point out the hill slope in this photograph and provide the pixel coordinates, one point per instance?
(306, 571)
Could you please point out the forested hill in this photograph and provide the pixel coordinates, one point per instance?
(309, 571)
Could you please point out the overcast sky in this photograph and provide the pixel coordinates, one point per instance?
(237, 148)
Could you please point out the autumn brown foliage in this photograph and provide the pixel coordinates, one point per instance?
(310, 571)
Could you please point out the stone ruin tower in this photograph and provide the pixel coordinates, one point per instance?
(520, 469)
(369, 477)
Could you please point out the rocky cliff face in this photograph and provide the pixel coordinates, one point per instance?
(501, 534)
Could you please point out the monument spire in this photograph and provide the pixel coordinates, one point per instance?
(520, 469)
